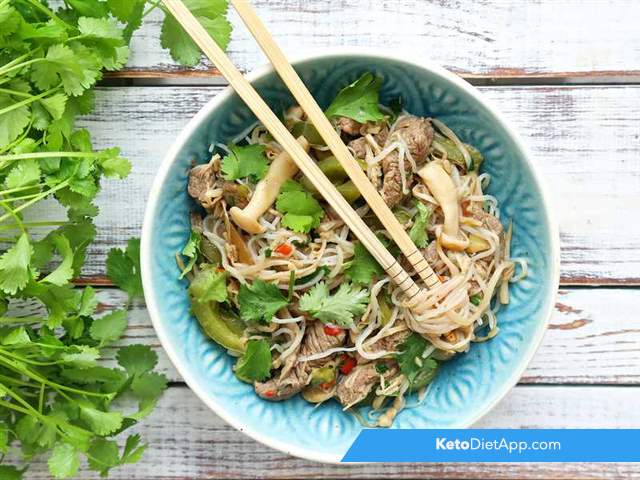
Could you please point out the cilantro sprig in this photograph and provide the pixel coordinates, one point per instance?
(245, 161)
(260, 301)
(301, 211)
(362, 268)
(338, 308)
(56, 397)
(418, 232)
(255, 363)
(359, 100)
(419, 368)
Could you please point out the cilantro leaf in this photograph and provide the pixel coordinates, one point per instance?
(248, 161)
(64, 272)
(8, 472)
(14, 266)
(122, 9)
(358, 101)
(132, 452)
(109, 327)
(82, 356)
(100, 422)
(260, 301)
(123, 268)
(149, 386)
(255, 363)
(301, 211)
(17, 336)
(210, 14)
(26, 172)
(209, 285)
(113, 165)
(103, 455)
(418, 232)
(418, 369)
(363, 267)
(12, 122)
(137, 359)
(55, 105)
(191, 250)
(339, 308)
(64, 461)
(75, 66)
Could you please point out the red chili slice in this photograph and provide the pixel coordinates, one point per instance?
(332, 330)
(347, 364)
(284, 249)
(269, 393)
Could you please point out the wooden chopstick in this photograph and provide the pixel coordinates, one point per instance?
(306, 164)
(334, 142)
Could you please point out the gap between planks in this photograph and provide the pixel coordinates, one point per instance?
(212, 77)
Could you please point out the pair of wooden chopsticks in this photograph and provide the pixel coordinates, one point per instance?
(304, 162)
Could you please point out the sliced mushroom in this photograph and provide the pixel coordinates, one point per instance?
(281, 169)
(444, 191)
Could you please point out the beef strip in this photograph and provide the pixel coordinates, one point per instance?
(349, 126)
(315, 340)
(359, 144)
(202, 178)
(417, 134)
(355, 386)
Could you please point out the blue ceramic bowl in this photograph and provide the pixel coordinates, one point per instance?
(468, 386)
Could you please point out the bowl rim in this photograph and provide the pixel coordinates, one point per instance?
(195, 122)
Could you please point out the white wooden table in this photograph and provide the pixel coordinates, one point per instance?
(567, 73)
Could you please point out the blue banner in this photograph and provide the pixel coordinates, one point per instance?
(501, 445)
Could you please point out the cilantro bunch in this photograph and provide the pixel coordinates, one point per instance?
(56, 398)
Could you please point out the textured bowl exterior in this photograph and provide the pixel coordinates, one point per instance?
(466, 387)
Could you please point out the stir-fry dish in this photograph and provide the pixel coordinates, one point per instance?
(278, 280)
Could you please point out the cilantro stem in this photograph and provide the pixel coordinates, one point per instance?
(17, 199)
(4, 70)
(32, 225)
(15, 216)
(292, 281)
(31, 99)
(41, 398)
(16, 320)
(154, 5)
(16, 93)
(18, 140)
(15, 407)
(20, 189)
(36, 199)
(27, 409)
(10, 362)
(15, 61)
(25, 156)
(15, 381)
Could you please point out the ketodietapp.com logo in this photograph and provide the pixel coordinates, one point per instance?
(500, 445)
(510, 446)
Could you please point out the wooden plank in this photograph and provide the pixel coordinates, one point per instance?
(593, 337)
(584, 140)
(490, 39)
(186, 440)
